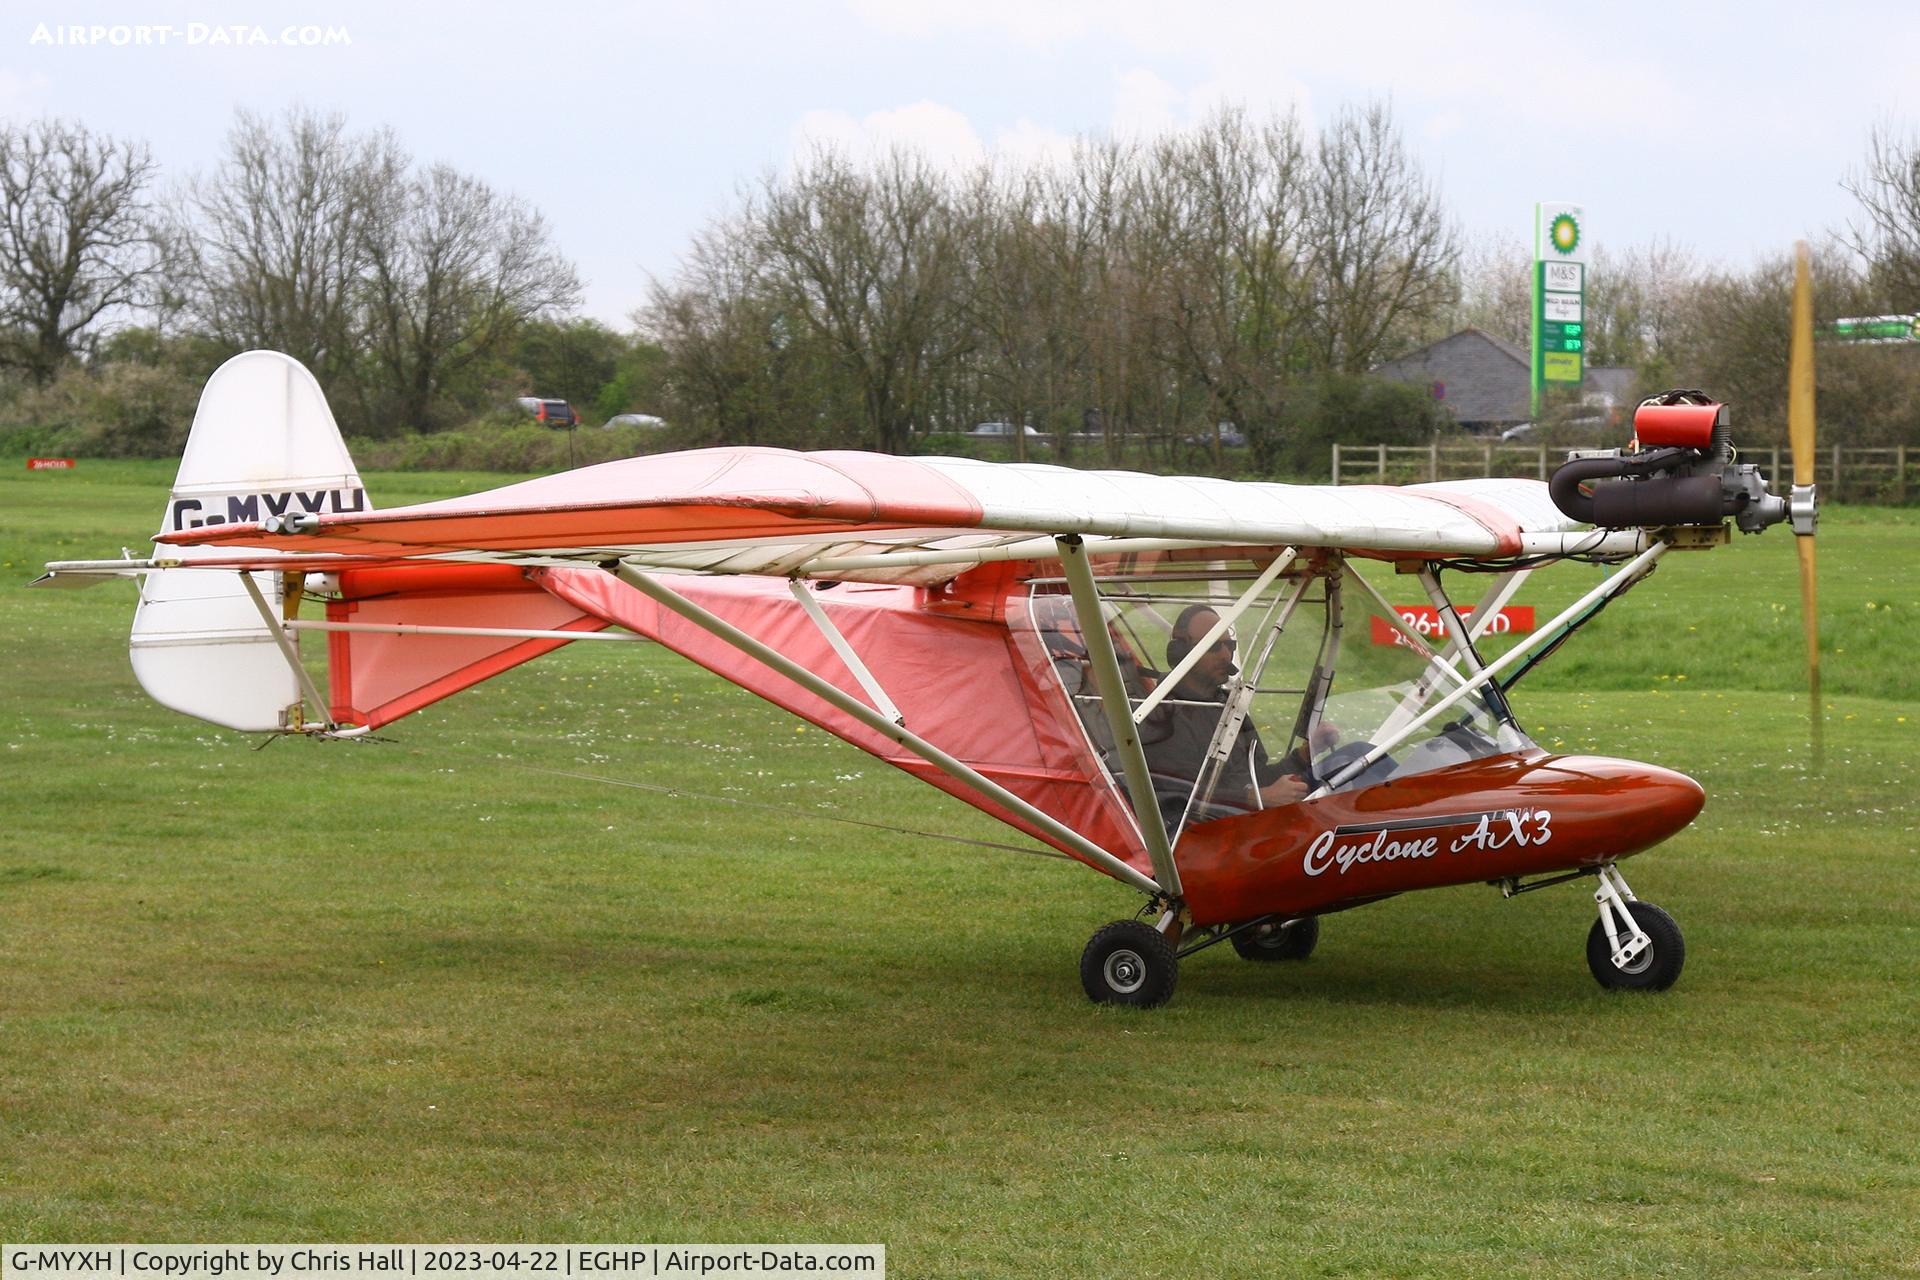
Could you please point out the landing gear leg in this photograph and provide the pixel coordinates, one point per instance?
(1634, 945)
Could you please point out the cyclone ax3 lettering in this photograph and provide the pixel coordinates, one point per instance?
(250, 508)
(1353, 845)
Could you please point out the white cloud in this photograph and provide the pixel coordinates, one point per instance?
(1144, 104)
(941, 134)
(1262, 91)
(946, 137)
(22, 95)
(1034, 145)
(1254, 53)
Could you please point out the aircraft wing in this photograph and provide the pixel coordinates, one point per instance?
(774, 511)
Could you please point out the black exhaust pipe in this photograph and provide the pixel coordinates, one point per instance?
(1688, 477)
(1627, 491)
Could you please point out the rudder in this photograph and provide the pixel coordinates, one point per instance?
(264, 443)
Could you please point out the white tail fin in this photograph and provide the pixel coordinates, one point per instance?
(263, 444)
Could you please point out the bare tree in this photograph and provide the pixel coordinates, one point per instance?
(1153, 289)
(77, 238)
(1634, 302)
(1731, 337)
(1219, 228)
(870, 261)
(453, 269)
(1016, 298)
(1495, 290)
(1097, 199)
(276, 235)
(1888, 236)
(740, 368)
(1381, 242)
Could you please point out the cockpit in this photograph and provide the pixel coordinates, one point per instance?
(1263, 682)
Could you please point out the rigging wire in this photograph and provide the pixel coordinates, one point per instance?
(684, 793)
(787, 810)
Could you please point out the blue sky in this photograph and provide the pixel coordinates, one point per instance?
(1724, 127)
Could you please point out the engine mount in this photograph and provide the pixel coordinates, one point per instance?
(1679, 471)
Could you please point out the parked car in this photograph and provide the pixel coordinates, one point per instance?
(646, 420)
(1001, 430)
(1520, 432)
(549, 413)
(1231, 437)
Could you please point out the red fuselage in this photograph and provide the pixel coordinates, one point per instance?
(1520, 814)
(965, 682)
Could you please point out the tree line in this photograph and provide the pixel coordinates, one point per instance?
(407, 287)
(1246, 272)
(1139, 302)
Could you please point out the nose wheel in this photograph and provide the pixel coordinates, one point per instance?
(1634, 945)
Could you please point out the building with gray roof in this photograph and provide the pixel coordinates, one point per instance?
(1485, 382)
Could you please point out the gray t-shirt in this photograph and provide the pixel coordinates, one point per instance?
(1176, 736)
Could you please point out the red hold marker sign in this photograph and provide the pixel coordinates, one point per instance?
(1424, 621)
(49, 464)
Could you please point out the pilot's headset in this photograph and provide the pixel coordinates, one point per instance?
(1178, 645)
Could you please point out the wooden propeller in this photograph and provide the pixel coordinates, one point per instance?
(1800, 434)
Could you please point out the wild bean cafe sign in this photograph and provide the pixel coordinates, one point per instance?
(1359, 844)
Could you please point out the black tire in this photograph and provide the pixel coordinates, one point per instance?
(1273, 942)
(1129, 962)
(1654, 969)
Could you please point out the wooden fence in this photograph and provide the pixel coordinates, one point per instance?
(1843, 474)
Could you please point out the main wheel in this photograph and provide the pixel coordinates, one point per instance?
(1129, 962)
(1277, 941)
(1654, 969)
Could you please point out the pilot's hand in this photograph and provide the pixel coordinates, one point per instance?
(1287, 790)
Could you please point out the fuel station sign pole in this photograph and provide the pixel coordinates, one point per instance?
(1559, 296)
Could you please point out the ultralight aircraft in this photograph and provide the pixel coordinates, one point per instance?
(997, 630)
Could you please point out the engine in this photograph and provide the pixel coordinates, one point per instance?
(1680, 470)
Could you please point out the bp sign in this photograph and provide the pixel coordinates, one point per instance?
(1559, 295)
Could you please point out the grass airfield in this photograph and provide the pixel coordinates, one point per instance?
(425, 990)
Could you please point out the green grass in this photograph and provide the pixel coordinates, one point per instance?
(421, 990)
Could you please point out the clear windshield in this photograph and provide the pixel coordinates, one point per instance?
(1389, 685)
(1305, 680)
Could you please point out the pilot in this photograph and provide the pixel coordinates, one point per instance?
(1059, 631)
(1177, 733)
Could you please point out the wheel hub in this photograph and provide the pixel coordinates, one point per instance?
(1640, 962)
(1126, 971)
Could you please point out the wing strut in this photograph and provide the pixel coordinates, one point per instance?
(874, 720)
(845, 650)
(1113, 700)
